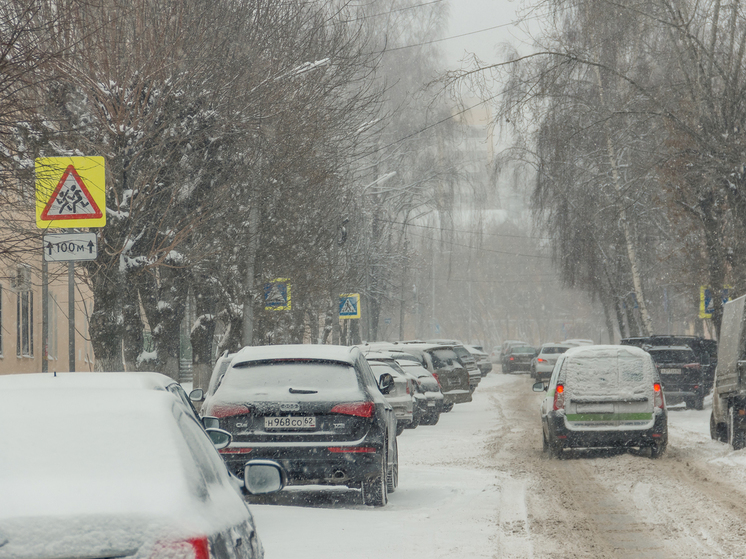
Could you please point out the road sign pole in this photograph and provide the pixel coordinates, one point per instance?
(44, 314)
(71, 313)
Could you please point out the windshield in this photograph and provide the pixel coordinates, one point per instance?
(555, 350)
(523, 349)
(305, 374)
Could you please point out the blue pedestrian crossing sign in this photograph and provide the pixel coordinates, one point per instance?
(349, 305)
(277, 295)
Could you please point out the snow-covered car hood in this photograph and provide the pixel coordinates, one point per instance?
(84, 468)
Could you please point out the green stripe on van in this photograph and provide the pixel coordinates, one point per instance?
(609, 416)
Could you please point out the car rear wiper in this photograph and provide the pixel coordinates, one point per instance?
(302, 391)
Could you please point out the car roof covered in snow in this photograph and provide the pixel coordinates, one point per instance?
(113, 380)
(604, 351)
(314, 352)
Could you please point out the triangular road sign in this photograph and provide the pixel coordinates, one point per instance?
(275, 296)
(71, 199)
(349, 307)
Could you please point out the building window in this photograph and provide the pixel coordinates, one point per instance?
(52, 327)
(25, 313)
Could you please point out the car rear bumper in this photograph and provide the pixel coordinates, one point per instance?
(457, 396)
(564, 437)
(315, 466)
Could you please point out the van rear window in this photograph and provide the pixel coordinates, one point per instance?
(607, 374)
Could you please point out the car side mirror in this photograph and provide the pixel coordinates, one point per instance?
(539, 387)
(197, 395)
(263, 476)
(220, 439)
(210, 422)
(385, 383)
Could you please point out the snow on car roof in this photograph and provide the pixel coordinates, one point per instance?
(343, 354)
(114, 380)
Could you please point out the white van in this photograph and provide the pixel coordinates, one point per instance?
(604, 396)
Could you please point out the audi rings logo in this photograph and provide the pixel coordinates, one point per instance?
(289, 407)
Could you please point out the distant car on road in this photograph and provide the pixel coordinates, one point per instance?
(518, 358)
(681, 374)
(604, 396)
(105, 465)
(543, 364)
(317, 410)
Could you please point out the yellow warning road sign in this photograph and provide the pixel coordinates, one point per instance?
(70, 192)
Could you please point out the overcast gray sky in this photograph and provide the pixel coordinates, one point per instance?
(469, 17)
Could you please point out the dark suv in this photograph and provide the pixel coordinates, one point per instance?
(681, 374)
(519, 358)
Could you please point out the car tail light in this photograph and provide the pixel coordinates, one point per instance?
(234, 450)
(559, 397)
(351, 449)
(540, 360)
(192, 548)
(658, 396)
(358, 409)
(512, 358)
(435, 375)
(227, 410)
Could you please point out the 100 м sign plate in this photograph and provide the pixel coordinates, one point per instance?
(69, 247)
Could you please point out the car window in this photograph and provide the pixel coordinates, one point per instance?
(442, 358)
(555, 350)
(462, 353)
(303, 374)
(217, 375)
(673, 356)
(523, 349)
(201, 448)
(604, 374)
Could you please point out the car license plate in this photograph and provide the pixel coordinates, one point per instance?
(595, 408)
(290, 422)
(670, 371)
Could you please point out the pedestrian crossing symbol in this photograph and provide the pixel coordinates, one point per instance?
(349, 305)
(277, 295)
(70, 192)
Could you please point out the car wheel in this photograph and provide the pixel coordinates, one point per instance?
(447, 407)
(699, 403)
(433, 419)
(718, 431)
(374, 490)
(657, 450)
(399, 429)
(392, 478)
(545, 444)
(736, 435)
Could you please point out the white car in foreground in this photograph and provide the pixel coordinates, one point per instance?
(105, 465)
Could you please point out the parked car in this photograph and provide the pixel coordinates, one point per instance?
(428, 385)
(221, 365)
(443, 363)
(681, 374)
(481, 357)
(519, 358)
(402, 394)
(543, 363)
(505, 350)
(604, 396)
(104, 465)
(318, 410)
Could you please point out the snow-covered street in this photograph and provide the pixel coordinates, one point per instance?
(478, 485)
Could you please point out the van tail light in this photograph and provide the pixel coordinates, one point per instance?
(192, 548)
(559, 397)
(658, 396)
(358, 409)
(227, 410)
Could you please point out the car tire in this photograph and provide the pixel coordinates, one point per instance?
(374, 490)
(657, 450)
(392, 476)
(433, 419)
(736, 436)
(544, 443)
(718, 431)
(399, 429)
(447, 407)
(699, 403)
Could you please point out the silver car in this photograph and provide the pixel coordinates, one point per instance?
(543, 363)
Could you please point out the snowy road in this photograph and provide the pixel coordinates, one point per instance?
(478, 485)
